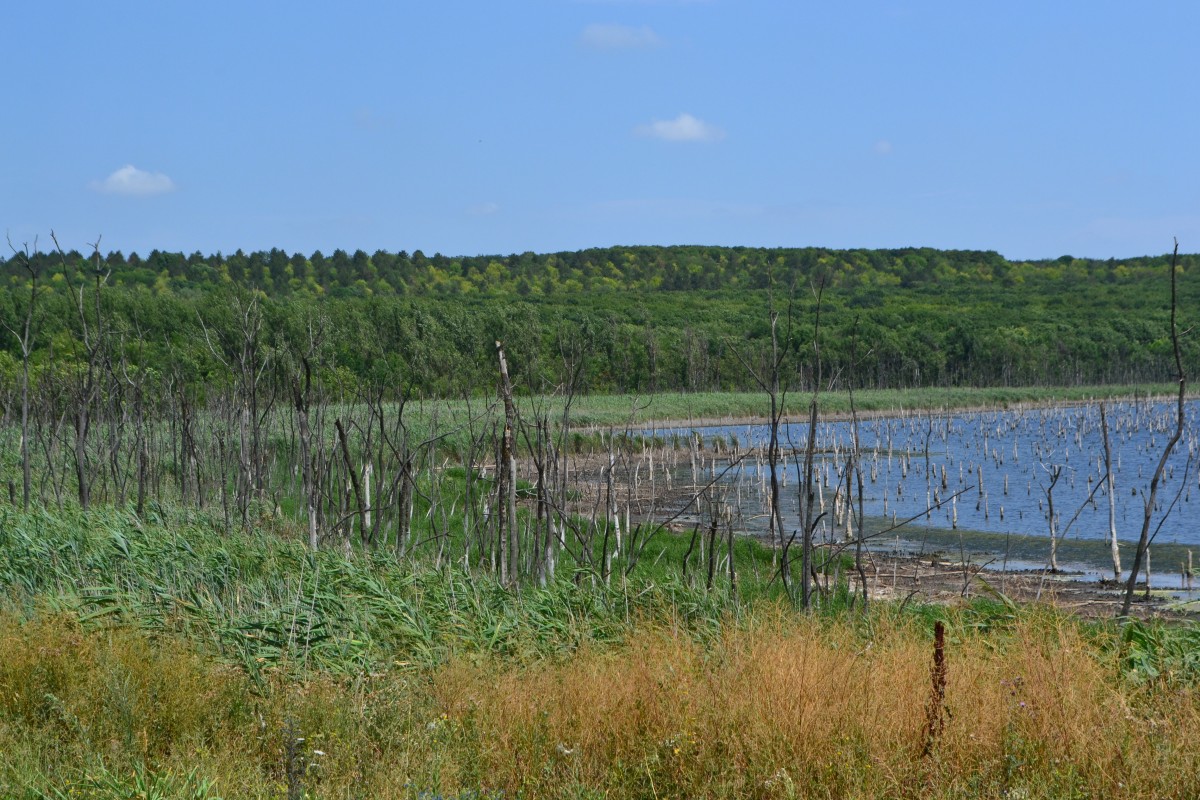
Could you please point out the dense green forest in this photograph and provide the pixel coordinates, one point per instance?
(629, 318)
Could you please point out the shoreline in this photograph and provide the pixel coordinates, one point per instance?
(892, 576)
(869, 414)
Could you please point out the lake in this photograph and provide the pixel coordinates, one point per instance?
(1003, 463)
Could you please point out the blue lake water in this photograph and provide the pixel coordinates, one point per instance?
(1003, 463)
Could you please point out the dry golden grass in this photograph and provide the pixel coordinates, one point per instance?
(805, 708)
(778, 705)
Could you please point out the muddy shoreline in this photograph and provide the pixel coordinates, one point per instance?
(933, 579)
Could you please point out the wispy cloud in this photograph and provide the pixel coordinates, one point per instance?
(129, 180)
(600, 36)
(883, 147)
(684, 128)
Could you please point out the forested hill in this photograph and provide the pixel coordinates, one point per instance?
(680, 268)
(636, 318)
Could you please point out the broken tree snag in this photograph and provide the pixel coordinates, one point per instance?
(935, 711)
(506, 474)
(1110, 482)
(302, 397)
(353, 475)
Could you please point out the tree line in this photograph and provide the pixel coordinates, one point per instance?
(671, 269)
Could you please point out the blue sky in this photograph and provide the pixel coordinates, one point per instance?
(1032, 128)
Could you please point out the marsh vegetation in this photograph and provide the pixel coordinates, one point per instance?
(259, 543)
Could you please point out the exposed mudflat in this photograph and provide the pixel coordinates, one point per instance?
(932, 579)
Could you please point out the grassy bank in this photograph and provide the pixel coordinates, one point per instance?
(165, 656)
(620, 410)
(593, 416)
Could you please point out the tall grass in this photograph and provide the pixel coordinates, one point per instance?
(261, 600)
(162, 658)
(774, 705)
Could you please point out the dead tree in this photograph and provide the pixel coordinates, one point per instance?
(243, 356)
(573, 350)
(188, 456)
(1054, 471)
(87, 385)
(770, 383)
(541, 452)
(352, 474)
(1110, 482)
(302, 401)
(855, 466)
(25, 341)
(136, 383)
(809, 519)
(1145, 537)
(506, 483)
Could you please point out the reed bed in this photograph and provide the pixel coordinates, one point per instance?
(260, 599)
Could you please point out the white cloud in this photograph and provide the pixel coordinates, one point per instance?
(601, 36)
(484, 209)
(130, 180)
(684, 128)
(883, 147)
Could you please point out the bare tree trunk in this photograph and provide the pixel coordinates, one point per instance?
(1055, 472)
(807, 497)
(301, 395)
(1110, 480)
(244, 457)
(808, 521)
(856, 461)
(26, 474)
(143, 455)
(714, 522)
(612, 518)
(777, 395)
(404, 507)
(25, 338)
(87, 389)
(82, 481)
(776, 517)
(730, 542)
(352, 475)
(507, 478)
